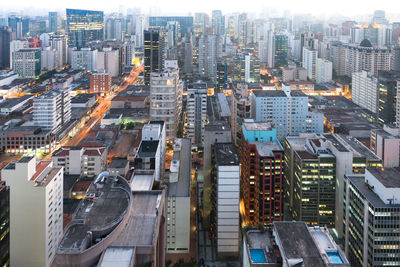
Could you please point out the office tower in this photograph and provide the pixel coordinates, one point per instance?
(26, 62)
(246, 68)
(372, 209)
(185, 22)
(188, 61)
(82, 161)
(365, 90)
(225, 199)
(196, 113)
(100, 82)
(396, 57)
(47, 59)
(262, 173)
(178, 199)
(201, 22)
(337, 54)
(280, 50)
(387, 93)
(130, 54)
(357, 34)
(113, 28)
(386, 146)
(398, 105)
(240, 107)
(366, 57)
(379, 17)
(16, 45)
(52, 110)
(166, 97)
(84, 26)
(5, 224)
(222, 76)
(287, 110)
(307, 39)
(173, 33)
(140, 27)
(314, 169)
(84, 59)
(36, 211)
(218, 22)
(310, 62)
(210, 51)
(5, 38)
(108, 60)
(15, 23)
(323, 73)
(153, 53)
(53, 21)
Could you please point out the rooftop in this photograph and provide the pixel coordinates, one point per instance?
(257, 126)
(82, 98)
(269, 93)
(225, 154)
(266, 149)
(148, 148)
(297, 243)
(389, 177)
(218, 126)
(11, 102)
(181, 188)
(118, 163)
(141, 181)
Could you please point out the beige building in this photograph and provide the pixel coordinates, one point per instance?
(36, 211)
(83, 161)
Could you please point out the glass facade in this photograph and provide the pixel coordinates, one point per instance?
(281, 51)
(84, 26)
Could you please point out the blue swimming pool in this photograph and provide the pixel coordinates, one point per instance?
(257, 256)
(334, 256)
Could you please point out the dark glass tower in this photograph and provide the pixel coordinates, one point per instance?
(84, 26)
(5, 39)
(153, 59)
(280, 50)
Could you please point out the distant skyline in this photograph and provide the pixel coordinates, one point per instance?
(179, 7)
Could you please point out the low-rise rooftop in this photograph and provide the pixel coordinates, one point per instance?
(225, 154)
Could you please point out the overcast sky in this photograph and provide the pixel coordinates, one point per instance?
(316, 7)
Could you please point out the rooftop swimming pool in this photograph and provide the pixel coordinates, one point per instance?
(257, 256)
(334, 256)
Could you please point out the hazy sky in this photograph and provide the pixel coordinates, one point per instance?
(345, 7)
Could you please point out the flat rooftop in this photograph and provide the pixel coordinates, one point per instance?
(148, 148)
(143, 222)
(266, 149)
(360, 149)
(118, 257)
(257, 126)
(118, 163)
(389, 177)
(265, 241)
(225, 154)
(269, 93)
(82, 98)
(217, 126)
(297, 243)
(142, 181)
(181, 188)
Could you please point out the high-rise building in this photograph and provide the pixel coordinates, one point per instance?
(222, 76)
(84, 26)
(36, 211)
(262, 173)
(15, 23)
(287, 110)
(58, 42)
(52, 110)
(196, 113)
(178, 199)
(246, 68)
(398, 105)
(314, 169)
(114, 28)
(218, 22)
(185, 22)
(241, 110)
(371, 217)
(379, 17)
(323, 73)
(365, 90)
(386, 146)
(5, 224)
(6, 37)
(130, 53)
(166, 97)
(140, 27)
(293, 73)
(84, 59)
(201, 22)
(153, 53)
(387, 93)
(310, 62)
(210, 51)
(53, 21)
(188, 63)
(16, 45)
(27, 62)
(225, 199)
(280, 50)
(108, 60)
(307, 39)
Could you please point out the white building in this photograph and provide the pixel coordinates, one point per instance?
(26, 62)
(36, 211)
(227, 198)
(287, 110)
(83, 161)
(324, 71)
(140, 27)
(129, 54)
(84, 59)
(386, 146)
(365, 90)
(52, 110)
(108, 60)
(16, 45)
(48, 59)
(166, 97)
(310, 62)
(196, 113)
(178, 199)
